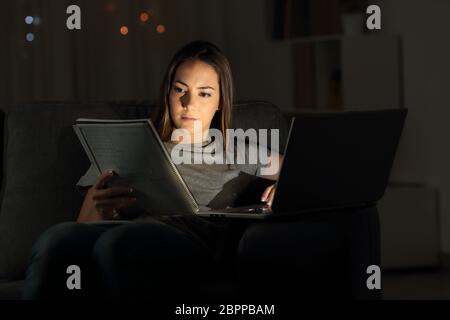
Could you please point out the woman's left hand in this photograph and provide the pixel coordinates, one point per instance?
(268, 194)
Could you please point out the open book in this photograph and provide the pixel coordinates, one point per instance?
(133, 149)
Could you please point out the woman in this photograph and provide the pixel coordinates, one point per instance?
(153, 256)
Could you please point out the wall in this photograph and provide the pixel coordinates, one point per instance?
(424, 155)
(96, 62)
(261, 66)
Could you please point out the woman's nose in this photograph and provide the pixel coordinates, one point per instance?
(187, 101)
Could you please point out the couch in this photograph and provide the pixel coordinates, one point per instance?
(321, 255)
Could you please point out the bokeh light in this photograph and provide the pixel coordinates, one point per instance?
(37, 21)
(124, 30)
(29, 19)
(110, 7)
(160, 28)
(29, 37)
(144, 16)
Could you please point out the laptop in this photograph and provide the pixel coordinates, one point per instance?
(331, 161)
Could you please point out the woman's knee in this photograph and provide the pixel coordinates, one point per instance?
(62, 238)
(141, 259)
(55, 250)
(147, 243)
(146, 236)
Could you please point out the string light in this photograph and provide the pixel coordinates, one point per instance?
(29, 37)
(110, 7)
(160, 28)
(124, 30)
(29, 19)
(37, 21)
(144, 17)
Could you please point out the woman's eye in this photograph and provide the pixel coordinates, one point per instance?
(205, 94)
(177, 89)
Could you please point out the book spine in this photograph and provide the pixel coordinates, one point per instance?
(175, 171)
(86, 148)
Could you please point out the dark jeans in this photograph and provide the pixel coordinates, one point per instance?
(319, 255)
(132, 260)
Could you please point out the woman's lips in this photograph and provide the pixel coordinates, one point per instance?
(187, 118)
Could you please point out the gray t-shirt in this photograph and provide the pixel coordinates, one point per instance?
(207, 181)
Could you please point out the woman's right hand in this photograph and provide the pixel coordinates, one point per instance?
(102, 203)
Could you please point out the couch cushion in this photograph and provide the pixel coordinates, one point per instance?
(44, 160)
(260, 115)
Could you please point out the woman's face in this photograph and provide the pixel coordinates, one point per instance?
(194, 98)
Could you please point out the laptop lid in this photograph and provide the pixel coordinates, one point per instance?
(338, 159)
